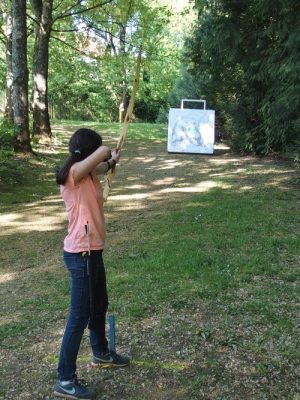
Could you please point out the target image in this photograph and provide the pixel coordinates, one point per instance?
(191, 131)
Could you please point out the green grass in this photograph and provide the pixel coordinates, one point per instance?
(202, 265)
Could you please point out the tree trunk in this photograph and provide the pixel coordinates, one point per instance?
(7, 30)
(9, 79)
(40, 108)
(20, 76)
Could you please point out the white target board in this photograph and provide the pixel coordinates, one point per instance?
(191, 130)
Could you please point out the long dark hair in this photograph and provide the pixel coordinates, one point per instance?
(81, 144)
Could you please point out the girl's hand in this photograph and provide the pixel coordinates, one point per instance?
(86, 166)
(115, 155)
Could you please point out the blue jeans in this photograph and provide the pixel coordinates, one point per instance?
(80, 313)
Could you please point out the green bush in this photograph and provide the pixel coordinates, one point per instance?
(6, 134)
(250, 75)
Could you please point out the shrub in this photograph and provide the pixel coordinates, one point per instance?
(6, 134)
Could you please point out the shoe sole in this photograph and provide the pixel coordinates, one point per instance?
(68, 396)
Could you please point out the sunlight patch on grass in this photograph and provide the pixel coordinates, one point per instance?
(198, 188)
(49, 200)
(122, 276)
(165, 181)
(10, 217)
(11, 318)
(39, 218)
(146, 160)
(52, 359)
(175, 365)
(7, 277)
(246, 188)
(234, 161)
(136, 187)
(154, 195)
(168, 166)
(130, 197)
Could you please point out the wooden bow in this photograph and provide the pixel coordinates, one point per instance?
(111, 173)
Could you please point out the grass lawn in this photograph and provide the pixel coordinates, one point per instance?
(202, 263)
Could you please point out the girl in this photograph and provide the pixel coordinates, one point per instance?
(82, 194)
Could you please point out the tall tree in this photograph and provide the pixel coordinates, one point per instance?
(113, 30)
(43, 22)
(6, 38)
(128, 25)
(20, 76)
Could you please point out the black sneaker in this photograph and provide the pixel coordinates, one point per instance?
(110, 359)
(73, 390)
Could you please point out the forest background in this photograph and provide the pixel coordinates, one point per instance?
(74, 59)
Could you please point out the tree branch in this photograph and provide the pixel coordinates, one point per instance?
(67, 10)
(3, 39)
(32, 19)
(111, 35)
(58, 5)
(78, 30)
(66, 13)
(91, 26)
(74, 48)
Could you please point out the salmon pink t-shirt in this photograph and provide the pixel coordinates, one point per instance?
(84, 205)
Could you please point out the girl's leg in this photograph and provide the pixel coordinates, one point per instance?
(78, 317)
(98, 339)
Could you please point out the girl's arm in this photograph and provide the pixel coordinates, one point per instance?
(103, 167)
(86, 166)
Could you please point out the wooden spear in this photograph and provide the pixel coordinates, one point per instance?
(111, 173)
